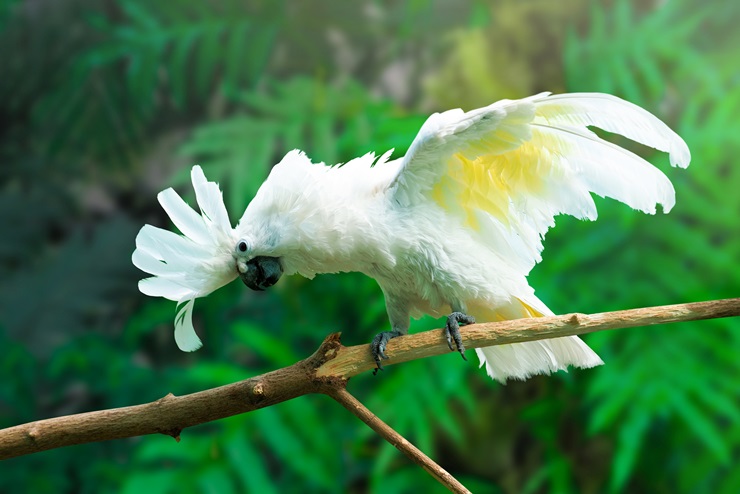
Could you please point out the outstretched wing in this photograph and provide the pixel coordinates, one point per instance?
(508, 169)
(190, 265)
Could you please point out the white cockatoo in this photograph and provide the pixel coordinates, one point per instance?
(451, 228)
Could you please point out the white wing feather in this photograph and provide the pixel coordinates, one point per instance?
(615, 115)
(609, 170)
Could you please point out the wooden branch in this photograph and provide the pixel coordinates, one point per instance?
(415, 454)
(171, 414)
(356, 359)
(327, 372)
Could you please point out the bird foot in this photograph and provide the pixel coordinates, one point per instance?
(377, 347)
(452, 330)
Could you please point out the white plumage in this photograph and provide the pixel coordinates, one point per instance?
(454, 225)
(190, 265)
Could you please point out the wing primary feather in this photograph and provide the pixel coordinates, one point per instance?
(616, 115)
(633, 181)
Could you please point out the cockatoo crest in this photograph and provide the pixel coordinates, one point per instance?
(190, 265)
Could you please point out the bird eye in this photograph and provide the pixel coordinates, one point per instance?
(241, 246)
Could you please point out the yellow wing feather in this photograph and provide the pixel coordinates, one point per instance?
(495, 183)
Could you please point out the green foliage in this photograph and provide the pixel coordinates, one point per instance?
(104, 106)
(184, 38)
(143, 61)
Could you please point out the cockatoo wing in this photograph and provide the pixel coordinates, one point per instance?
(508, 169)
(190, 265)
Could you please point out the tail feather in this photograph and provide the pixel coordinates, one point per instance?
(523, 360)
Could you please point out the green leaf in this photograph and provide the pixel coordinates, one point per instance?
(161, 481)
(215, 480)
(705, 430)
(140, 16)
(179, 70)
(261, 50)
(275, 349)
(207, 56)
(248, 465)
(237, 55)
(631, 434)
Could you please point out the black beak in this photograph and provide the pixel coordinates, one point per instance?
(262, 272)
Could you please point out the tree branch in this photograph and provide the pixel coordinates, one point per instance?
(327, 372)
(171, 414)
(401, 443)
(356, 359)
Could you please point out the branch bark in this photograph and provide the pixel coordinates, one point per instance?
(360, 411)
(171, 414)
(356, 359)
(327, 372)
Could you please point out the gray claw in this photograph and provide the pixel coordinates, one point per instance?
(452, 330)
(377, 347)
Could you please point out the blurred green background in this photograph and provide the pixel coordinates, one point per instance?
(105, 103)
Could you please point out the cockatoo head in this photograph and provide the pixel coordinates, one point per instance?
(257, 272)
(286, 229)
(209, 253)
(289, 225)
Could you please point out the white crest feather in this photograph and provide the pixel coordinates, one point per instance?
(184, 217)
(158, 286)
(210, 200)
(190, 265)
(185, 336)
